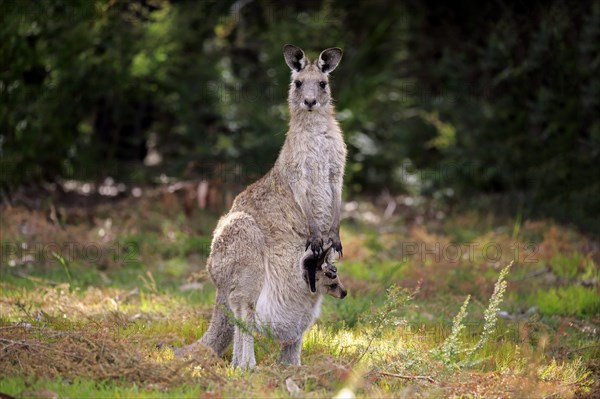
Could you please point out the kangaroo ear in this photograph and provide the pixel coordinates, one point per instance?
(329, 59)
(294, 57)
(310, 272)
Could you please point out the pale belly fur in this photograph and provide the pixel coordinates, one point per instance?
(284, 319)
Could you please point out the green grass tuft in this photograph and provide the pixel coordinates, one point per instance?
(573, 300)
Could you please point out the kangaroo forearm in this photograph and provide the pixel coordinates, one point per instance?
(314, 241)
(307, 211)
(335, 209)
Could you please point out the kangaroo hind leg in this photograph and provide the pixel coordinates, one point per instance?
(245, 250)
(290, 352)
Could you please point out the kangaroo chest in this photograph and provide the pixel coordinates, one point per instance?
(320, 163)
(324, 159)
(327, 166)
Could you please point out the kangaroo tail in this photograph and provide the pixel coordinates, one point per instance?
(220, 331)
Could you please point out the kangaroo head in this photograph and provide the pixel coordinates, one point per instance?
(321, 275)
(309, 89)
(330, 284)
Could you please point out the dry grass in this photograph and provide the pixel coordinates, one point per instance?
(93, 353)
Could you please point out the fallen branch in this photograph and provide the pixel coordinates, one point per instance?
(533, 273)
(582, 348)
(408, 377)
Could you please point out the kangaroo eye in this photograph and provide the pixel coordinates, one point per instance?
(323, 84)
(298, 83)
(333, 286)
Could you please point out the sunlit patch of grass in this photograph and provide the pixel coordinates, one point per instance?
(75, 303)
(178, 331)
(321, 339)
(567, 372)
(204, 296)
(152, 303)
(163, 354)
(90, 388)
(510, 359)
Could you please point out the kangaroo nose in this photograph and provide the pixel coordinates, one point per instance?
(343, 294)
(310, 103)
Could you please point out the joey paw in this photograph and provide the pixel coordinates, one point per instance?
(330, 270)
(315, 243)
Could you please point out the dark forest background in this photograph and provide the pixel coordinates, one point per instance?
(470, 103)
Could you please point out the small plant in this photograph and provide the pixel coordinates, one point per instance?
(385, 316)
(65, 266)
(150, 282)
(490, 315)
(452, 346)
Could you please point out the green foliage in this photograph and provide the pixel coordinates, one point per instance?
(349, 311)
(521, 99)
(573, 300)
(507, 104)
(566, 266)
(89, 80)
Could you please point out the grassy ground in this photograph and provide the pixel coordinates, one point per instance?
(93, 298)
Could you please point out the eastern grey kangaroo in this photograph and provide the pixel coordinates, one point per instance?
(261, 242)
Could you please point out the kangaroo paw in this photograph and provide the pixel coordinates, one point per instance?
(336, 243)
